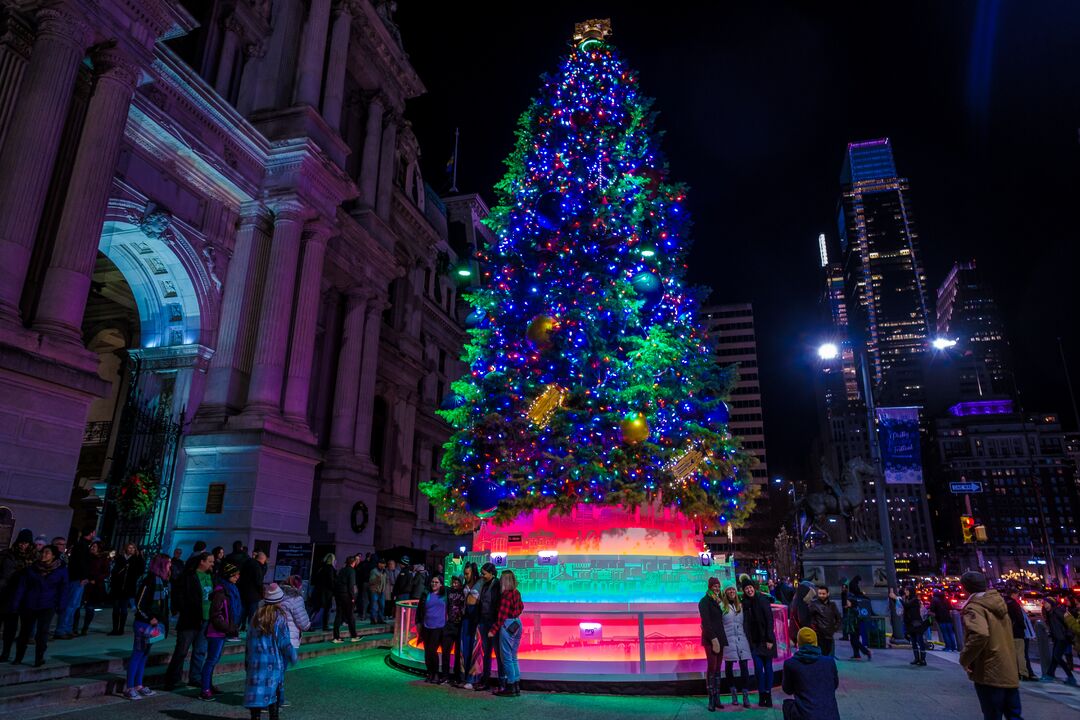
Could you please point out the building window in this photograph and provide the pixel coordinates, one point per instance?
(215, 498)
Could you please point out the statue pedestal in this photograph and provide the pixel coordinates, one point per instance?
(832, 563)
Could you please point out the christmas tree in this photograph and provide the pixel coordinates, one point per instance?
(590, 379)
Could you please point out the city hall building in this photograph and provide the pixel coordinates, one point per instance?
(225, 285)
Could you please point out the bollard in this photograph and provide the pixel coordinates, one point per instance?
(1042, 639)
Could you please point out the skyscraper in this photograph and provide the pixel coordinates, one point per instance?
(731, 328)
(884, 279)
(967, 312)
(875, 295)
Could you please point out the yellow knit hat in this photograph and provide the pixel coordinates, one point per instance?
(807, 636)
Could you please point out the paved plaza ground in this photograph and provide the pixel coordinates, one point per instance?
(362, 685)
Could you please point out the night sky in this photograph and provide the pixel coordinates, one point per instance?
(980, 99)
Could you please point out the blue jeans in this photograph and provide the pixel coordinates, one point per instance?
(73, 594)
(214, 646)
(136, 665)
(948, 635)
(198, 655)
(377, 607)
(763, 672)
(999, 702)
(509, 640)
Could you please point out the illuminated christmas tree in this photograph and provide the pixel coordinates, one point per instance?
(590, 378)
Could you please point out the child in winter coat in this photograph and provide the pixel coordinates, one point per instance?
(269, 652)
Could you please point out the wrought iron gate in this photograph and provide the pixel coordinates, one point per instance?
(148, 440)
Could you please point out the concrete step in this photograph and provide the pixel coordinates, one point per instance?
(113, 660)
(94, 679)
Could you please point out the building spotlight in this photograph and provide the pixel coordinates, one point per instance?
(942, 343)
(828, 351)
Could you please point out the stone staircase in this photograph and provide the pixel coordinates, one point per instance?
(68, 681)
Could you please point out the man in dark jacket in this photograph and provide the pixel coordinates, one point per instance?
(825, 620)
(252, 573)
(942, 612)
(811, 678)
(758, 620)
(1061, 639)
(189, 603)
(403, 582)
(487, 613)
(13, 561)
(78, 576)
(345, 590)
(419, 584)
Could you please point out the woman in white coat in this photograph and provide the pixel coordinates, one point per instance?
(737, 649)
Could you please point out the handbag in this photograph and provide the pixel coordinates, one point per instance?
(150, 634)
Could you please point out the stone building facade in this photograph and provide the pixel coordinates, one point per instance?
(221, 268)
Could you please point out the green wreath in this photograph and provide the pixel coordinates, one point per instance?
(136, 495)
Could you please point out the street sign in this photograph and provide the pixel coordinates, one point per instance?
(962, 488)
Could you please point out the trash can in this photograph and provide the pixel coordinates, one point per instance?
(876, 631)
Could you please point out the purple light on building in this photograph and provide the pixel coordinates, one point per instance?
(982, 407)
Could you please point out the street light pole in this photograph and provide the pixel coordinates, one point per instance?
(879, 483)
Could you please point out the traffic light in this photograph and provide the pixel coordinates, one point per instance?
(980, 533)
(967, 526)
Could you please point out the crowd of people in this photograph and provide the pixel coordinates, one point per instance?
(209, 598)
(995, 649)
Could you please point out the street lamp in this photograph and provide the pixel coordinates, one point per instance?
(943, 343)
(830, 351)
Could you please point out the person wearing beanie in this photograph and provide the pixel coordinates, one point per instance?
(222, 625)
(759, 629)
(269, 653)
(13, 561)
(989, 655)
(811, 679)
(713, 639)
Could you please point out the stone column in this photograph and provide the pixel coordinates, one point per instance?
(387, 156)
(368, 368)
(268, 368)
(334, 95)
(31, 144)
(230, 46)
(298, 382)
(312, 52)
(369, 163)
(237, 309)
(343, 423)
(67, 281)
(16, 39)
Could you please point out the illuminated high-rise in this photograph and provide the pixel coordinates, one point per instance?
(884, 279)
(968, 313)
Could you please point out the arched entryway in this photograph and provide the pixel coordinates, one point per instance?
(145, 319)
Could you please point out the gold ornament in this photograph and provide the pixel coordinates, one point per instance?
(545, 405)
(684, 465)
(635, 428)
(540, 329)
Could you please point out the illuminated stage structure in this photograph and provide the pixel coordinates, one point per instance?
(610, 599)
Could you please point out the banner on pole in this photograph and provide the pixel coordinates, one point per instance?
(898, 434)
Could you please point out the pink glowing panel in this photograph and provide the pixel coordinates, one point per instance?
(592, 530)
